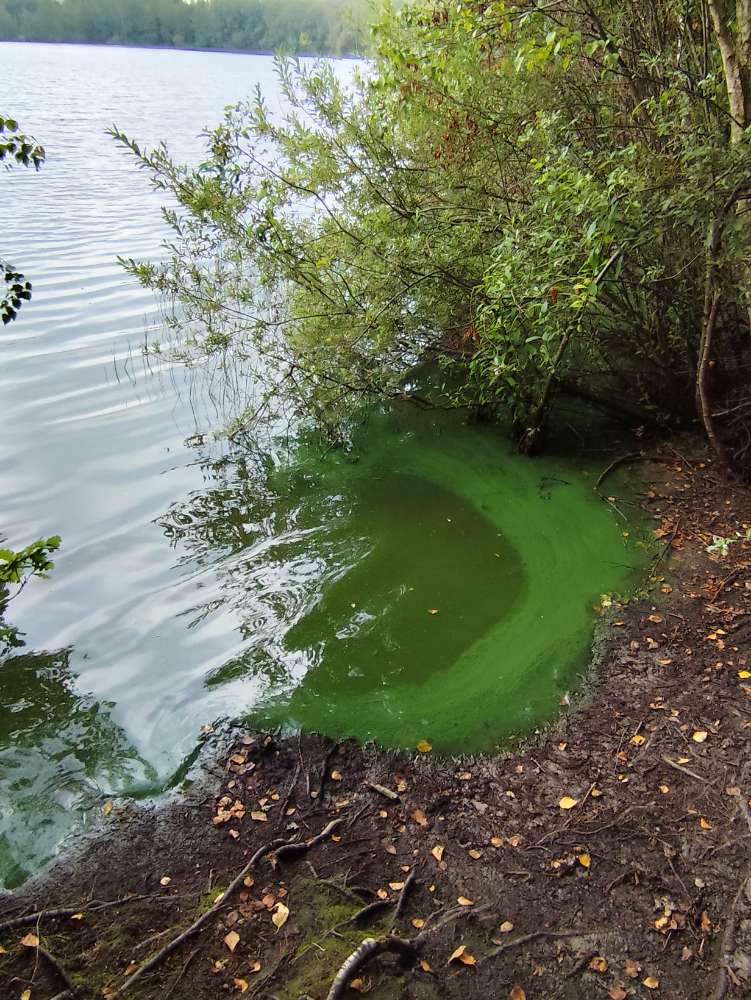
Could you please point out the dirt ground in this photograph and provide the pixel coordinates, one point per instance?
(610, 859)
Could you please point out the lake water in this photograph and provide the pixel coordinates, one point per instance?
(428, 585)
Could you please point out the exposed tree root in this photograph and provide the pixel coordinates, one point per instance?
(537, 935)
(367, 951)
(402, 901)
(277, 846)
(197, 924)
(408, 948)
(27, 919)
(289, 851)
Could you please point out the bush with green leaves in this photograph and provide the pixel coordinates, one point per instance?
(546, 198)
(16, 148)
(17, 567)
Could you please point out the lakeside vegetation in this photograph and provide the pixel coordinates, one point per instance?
(334, 27)
(551, 198)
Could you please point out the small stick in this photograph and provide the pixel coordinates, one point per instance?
(291, 789)
(382, 790)
(402, 901)
(730, 578)
(683, 770)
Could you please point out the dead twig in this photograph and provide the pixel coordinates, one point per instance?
(402, 900)
(730, 578)
(291, 788)
(181, 973)
(683, 770)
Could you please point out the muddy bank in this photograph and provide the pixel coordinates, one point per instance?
(612, 858)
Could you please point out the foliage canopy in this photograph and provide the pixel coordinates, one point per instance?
(546, 197)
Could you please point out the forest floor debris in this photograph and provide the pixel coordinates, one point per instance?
(611, 858)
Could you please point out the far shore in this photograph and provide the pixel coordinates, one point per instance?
(182, 48)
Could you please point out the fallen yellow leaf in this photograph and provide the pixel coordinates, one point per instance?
(424, 747)
(337, 776)
(617, 993)
(107, 808)
(705, 824)
(437, 852)
(280, 915)
(259, 817)
(30, 941)
(585, 860)
(240, 984)
(744, 674)
(517, 993)
(232, 940)
(474, 854)
(637, 740)
(358, 985)
(462, 955)
(425, 965)
(496, 841)
(418, 922)
(598, 964)
(165, 880)
(651, 983)
(463, 901)
(419, 817)
(396, 886)
(506, 927)
(567, 802)
(698, 736)
(26, 995)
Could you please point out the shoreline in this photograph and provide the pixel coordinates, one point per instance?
(349, 57)
(607, 857)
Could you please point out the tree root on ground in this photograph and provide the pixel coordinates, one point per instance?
(366, 952)
(279, 848)
(69, 911)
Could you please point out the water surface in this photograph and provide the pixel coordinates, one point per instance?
(427, 584)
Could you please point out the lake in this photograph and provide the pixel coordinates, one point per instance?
(427, 585)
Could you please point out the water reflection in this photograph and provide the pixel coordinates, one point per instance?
(59, 752)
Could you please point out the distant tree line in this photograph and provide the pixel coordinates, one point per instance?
(315, 26)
